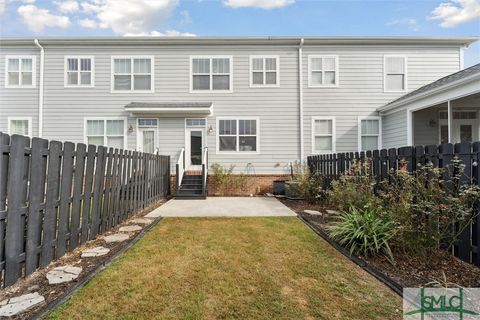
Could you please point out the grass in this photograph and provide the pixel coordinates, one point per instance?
(236, 268)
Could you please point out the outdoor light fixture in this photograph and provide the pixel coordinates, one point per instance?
(210, 129)
(432, 123)
(130, 129)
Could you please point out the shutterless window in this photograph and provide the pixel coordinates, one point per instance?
(79, 71)
(238, 135)
(20, 72)
(21, 127)
(145, 123)
(211, 74)
(108, 133)
(370, 134)
(132, 74)
(395, 73)
(264, 71)
(323, 136)
(323, 71)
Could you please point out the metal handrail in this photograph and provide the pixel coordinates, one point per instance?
(180, 167)
(205, 169)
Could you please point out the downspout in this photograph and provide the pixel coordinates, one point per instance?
(300, 96)
(40, 89)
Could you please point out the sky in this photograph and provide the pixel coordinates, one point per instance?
(22, 18)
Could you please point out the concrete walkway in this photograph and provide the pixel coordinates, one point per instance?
(223, 207)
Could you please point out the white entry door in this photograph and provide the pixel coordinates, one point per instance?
(194, 144)
(147, 135)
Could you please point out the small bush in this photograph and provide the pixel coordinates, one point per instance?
(363, 232)
(226, 182)
(310, 186)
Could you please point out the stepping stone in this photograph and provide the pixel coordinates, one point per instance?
(333, 212)
(117, 237)
(313, 212)
(131, 228)
(142, 221)
(13, 306)
(63, 274)
(95, 252)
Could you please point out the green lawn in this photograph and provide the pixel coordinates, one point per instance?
(232, 268)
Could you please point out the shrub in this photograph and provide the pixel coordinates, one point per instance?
(363, 232)
(310, 186)
(226, 181)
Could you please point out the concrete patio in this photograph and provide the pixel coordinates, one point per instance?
(223, 207)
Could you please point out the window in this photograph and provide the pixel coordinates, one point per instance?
(199, 123)
(132, 74)
(237, 135)
(323, 135)
(20, 125)
(106, 132)
(20, 72)
(147, 123)
(369, 133)
(264, 71)
(211, 74)
(323, 71)
(395, 74)
(79, 72)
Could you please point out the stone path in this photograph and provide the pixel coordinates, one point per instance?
(13, 306)
(131, 228)
(117, 237)
(313, 212)
(95, 252)
(63, 274)
(142, 221)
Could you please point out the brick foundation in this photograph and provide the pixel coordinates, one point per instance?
(255, 185)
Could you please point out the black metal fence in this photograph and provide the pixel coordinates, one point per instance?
(386, 162)
(55, 196)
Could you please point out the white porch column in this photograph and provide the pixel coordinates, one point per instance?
(450, 122)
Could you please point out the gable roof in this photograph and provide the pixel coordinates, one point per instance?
(454, 78)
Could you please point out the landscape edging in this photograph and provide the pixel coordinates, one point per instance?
(378, 274)
(64, 297)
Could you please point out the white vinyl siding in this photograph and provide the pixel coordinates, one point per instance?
(238, 135)
(20, 125)
(106, 132)
(370, 129)
(20, 72)
(395, 73)
(264, 71)
(323, 135)
(133, 74)
(79, 71)
(211, 74)
(322, 71)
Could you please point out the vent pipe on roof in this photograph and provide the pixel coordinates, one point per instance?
(40, 89)
(300, 97)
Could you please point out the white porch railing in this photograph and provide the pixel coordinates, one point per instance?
(180, 168)
(205, 170)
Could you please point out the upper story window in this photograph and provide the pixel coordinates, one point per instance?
(20, 125)
(264, 71)
(20, 72)
(323, 135)
(132, 74)
(237, 135)
(79, 72)
(106, 132)
(322, 71)
(211, 74)
(395, 73)
(369, 133)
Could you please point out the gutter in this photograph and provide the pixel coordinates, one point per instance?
(300, 96)
(40, 89)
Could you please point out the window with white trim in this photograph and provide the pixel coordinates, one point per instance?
(323, 71)
(78, 71)
(369, 134)
(237, 135)
(264, 71)
(22, 126)
(323, 134)
(395, 68)
(132, 74)
(20, 71)
(106, 132)
(211, 74)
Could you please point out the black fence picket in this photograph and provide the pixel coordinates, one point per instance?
(55, 196)
(385, 163)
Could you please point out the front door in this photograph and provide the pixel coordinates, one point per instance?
(463, 130)
(194, 148)
(147, 140)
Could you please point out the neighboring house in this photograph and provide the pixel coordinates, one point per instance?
(258, 103)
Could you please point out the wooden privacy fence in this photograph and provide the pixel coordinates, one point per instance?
(55, 196)
(386, 162)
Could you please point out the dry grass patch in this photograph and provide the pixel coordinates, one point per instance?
(232, 268)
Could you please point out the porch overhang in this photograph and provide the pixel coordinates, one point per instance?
(170, 108)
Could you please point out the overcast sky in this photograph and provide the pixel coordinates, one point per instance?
(243, 17)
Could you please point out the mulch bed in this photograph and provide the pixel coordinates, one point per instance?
(37, 281)
(408, 271)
